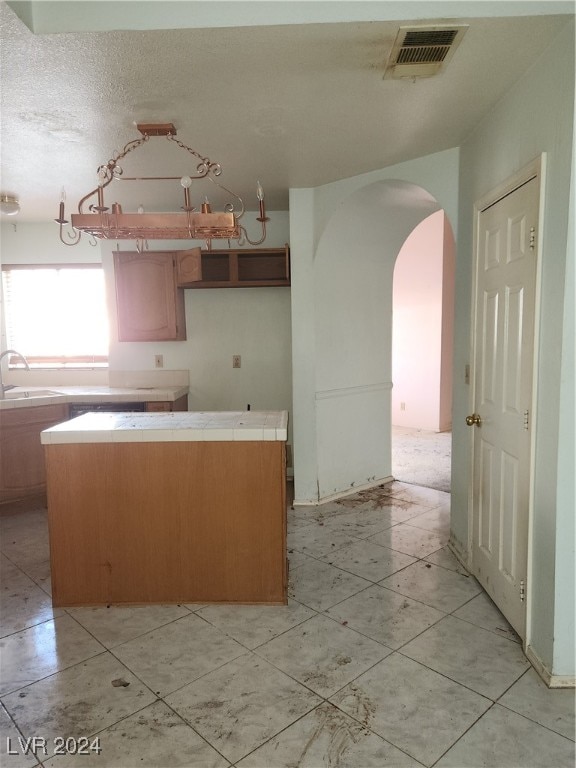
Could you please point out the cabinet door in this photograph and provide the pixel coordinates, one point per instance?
(188, 266)
(22, 470)
(150, 305)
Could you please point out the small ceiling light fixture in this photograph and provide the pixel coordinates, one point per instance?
(9, 205)
(113, 224)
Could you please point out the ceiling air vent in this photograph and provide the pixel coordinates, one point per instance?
(423, 51)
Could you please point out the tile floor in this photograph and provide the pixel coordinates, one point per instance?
(387, 654)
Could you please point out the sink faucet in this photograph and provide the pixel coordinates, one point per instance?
(4, 387)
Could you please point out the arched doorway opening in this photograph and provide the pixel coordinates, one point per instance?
(422, 341)
(342, 339)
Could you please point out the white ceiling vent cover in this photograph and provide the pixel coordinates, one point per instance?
(424, 50)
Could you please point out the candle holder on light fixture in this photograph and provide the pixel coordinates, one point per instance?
(189, 224)
(9, 205)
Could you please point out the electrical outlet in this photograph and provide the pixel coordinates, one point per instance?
(159, 361)
(236, 361)
(402, 406)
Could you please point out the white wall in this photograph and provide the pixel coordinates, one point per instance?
(345, 238)
(422, 318)
(535, 116)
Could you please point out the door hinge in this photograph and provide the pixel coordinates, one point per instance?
(526, 419)
(532, 238)
(522, 590)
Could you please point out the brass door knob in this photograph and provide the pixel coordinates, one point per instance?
(474, 420)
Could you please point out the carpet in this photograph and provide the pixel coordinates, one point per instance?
(421, 457)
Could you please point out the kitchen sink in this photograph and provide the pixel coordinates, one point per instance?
(21, 394)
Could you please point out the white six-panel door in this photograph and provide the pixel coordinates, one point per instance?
(506, 255)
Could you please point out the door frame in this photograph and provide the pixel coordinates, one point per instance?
(536, 169)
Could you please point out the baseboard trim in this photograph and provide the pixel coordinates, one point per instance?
(461, 555)
(552, 681)
(343, 494)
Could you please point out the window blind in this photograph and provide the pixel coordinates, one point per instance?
(56, 316)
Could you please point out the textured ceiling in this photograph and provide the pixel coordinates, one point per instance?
(290, 105)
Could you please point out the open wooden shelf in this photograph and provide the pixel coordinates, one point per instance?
(240, 268)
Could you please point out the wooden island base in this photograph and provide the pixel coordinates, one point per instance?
(167, 522)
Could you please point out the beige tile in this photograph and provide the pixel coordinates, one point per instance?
(22, 602)
(242, 704)
(295, 559)
(385, 616)
(436, 520)
(327, 737)
(322, 654)
(472, 656)
(362, 521)
(388, 509)
(410, 540)
(446, 559)
(435, 586)
(319, 585)
(482, 612)
(14, 751)
(551, 707)
(318, 540)
(23, 522)
(174, 655)
(118, 624)
(79, 701)
(368, 560)
(417, 494)
(39, 651)
(26, 545)
(155, 736)
(40, 573)
(412, 707)
(503, 739)
(253, 625)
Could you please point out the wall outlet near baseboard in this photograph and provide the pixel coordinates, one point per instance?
(236, 361)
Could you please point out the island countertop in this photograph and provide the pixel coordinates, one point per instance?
(189, 426)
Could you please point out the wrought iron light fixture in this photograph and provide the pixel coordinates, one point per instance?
(101, 222)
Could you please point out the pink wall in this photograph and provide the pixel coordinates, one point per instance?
(423, 326)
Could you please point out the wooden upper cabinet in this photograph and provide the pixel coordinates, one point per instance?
(240, 268)
(149, 303)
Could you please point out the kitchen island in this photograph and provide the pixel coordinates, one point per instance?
(181, 507)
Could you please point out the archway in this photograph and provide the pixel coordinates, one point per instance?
(352, 297)
(422, 361)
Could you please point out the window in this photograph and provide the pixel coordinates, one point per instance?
(56, 315)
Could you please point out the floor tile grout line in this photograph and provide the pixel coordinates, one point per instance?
(479, 626)
(52, 674)
(393, 650)
(445, 675)
(316, 612)
(527, 717)
(77, 620)
(464, 734)
(283, 632)
(193, 729)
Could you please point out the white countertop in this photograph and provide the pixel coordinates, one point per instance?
(27, 397)
(190, 426)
